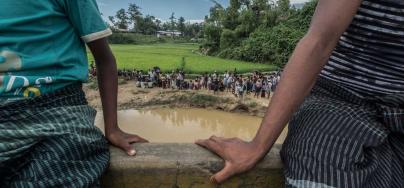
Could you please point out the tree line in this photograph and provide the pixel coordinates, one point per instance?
(133, 20)
(263, 31)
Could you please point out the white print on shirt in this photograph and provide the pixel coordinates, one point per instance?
(10, 61)
(12, 80)
(38, 81)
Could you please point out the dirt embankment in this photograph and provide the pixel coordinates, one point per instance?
(131, 97)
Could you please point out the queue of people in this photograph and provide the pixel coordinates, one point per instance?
(258, 84)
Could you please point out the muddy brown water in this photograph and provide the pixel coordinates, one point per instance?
(186, 125)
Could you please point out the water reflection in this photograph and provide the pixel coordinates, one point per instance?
(186, 125)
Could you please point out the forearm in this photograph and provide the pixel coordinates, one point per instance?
(108, 86)
(329, 22)
(299, 76)
(107, 82)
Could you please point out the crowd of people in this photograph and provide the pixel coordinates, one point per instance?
(258, 84)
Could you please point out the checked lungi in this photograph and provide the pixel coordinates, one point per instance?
(339, 138)
(51, 141)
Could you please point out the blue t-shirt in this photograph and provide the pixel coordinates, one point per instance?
(42, 44)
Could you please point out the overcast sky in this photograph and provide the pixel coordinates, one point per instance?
(162, 9)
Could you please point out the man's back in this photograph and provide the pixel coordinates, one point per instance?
(369, 57)
(41, 44)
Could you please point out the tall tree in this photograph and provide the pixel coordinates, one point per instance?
(122, 21)
(148, 26)
(112, 20)
(158, 24)
(172, 21)
(135, 15)
(166, 26)
(216, 3)
(181, 25)
(193, 30)
(284, 5)
(215, 16)
(230, 18)
(255, 30)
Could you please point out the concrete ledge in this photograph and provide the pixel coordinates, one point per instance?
(184, 165)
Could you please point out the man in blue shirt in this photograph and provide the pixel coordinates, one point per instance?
(47, 132)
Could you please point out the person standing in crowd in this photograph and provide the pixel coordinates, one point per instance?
(216, 84)
(269, 89)
(264, 89)
(176, 80)
(202, 81)
(258, 88)
(229, 82)
(215, 75)
(245, 83)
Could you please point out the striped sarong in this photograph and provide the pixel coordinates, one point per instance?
(339, 138)
(51, 141)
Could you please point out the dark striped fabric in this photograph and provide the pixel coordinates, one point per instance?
(51, 141)
(340, 140)
(369, 57)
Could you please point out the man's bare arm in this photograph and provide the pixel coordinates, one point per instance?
(108, 84)
(330, 20)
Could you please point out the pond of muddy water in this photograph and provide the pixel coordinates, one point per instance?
(186, 125)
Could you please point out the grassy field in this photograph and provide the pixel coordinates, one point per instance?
(172, 56)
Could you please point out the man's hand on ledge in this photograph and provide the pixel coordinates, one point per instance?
(239, 156)
(124, 140)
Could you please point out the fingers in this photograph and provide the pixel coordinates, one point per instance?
(128, 148)
(212, 146)
(224, 174)
(133, 139)
(142, 140)
(216, 139)
(136, 139)
(221, 140)
(202, 143)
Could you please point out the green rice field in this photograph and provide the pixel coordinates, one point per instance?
(177, 56)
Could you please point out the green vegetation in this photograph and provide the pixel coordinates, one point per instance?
(132, 20)
(177, 56)
(136, 38)
(256, 30)
(133, 38)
